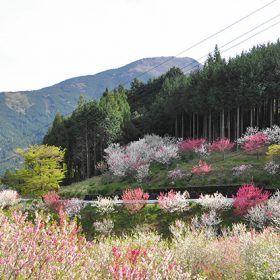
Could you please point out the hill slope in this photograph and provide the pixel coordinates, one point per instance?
(25, 116)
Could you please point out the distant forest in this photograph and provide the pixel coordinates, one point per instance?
(219, 100)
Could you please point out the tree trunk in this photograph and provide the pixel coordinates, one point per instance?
(193, 126)
(228, 125)
(94, 153)
(197, 126)
(176, 127)
(210, 126)
(271, 113)
(182, 130)
(251, 116)
(222, 132)
(204, 126)
(237, 122)
(241, 121)
(87, 155)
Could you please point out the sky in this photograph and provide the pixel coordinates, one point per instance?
(43, 42)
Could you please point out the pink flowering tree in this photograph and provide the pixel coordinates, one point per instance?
(255, 142)
(202, 168)
(247, 197)
(134, 199)
(191, 144)
(222, 145)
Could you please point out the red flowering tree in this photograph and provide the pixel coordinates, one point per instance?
(191, 144)
(247, 197)
(222, 145)
(134, 199)
(255, 142)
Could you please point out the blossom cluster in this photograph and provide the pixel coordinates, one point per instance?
(105, 205)
(46, 250)
(8, 198)
(191, 144)
(71, 207)
(272, 168)
(266, 214)
(134, 199)
(174, 201)
(272, 134)
(202, 168)
(209, 219)
(216, 202)
(104, 227)
(247, 197)
(241, 169)
(176, 174)
(136, 157)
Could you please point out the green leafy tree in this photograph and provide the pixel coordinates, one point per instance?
(42, 171)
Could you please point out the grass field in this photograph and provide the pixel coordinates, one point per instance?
(221, 175)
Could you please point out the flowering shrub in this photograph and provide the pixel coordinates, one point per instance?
(176, 174)
(48, 251)
(134, 199)
(165, 154)
(202, 168)
(39, 251)
(136, 157)
(216, 202)
(206, 220)
(203, 151)
(247, 197)
(174, 201)
(273, 134)
(142, 172)
(104, 227)
(222, 145)
(105, 205)
(191, 144)
(73, 207)
(53, 200)
(272, 168)
(266, 214)
(241, 169)
(8, 198)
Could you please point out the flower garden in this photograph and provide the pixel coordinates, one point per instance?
(176, 237)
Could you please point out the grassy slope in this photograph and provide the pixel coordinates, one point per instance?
(221, 175)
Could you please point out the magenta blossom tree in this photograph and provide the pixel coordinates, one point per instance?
(222, 145)
(247, 197)
(255, 142)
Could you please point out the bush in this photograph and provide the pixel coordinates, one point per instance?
(247, 197)
(134, 199)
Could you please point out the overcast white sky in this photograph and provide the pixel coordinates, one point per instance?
(43, 42)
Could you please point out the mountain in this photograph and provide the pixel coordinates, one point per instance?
(26, 115)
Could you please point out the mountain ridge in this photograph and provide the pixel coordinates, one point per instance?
(26, 115)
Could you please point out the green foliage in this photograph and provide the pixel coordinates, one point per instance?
(42, 172)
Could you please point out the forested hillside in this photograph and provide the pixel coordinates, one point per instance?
(25, 116)
(219, 100)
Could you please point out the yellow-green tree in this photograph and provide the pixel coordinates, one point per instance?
(42, 171)
(274, 151)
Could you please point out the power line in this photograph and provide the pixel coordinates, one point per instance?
(202, 41)
(263, 30)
